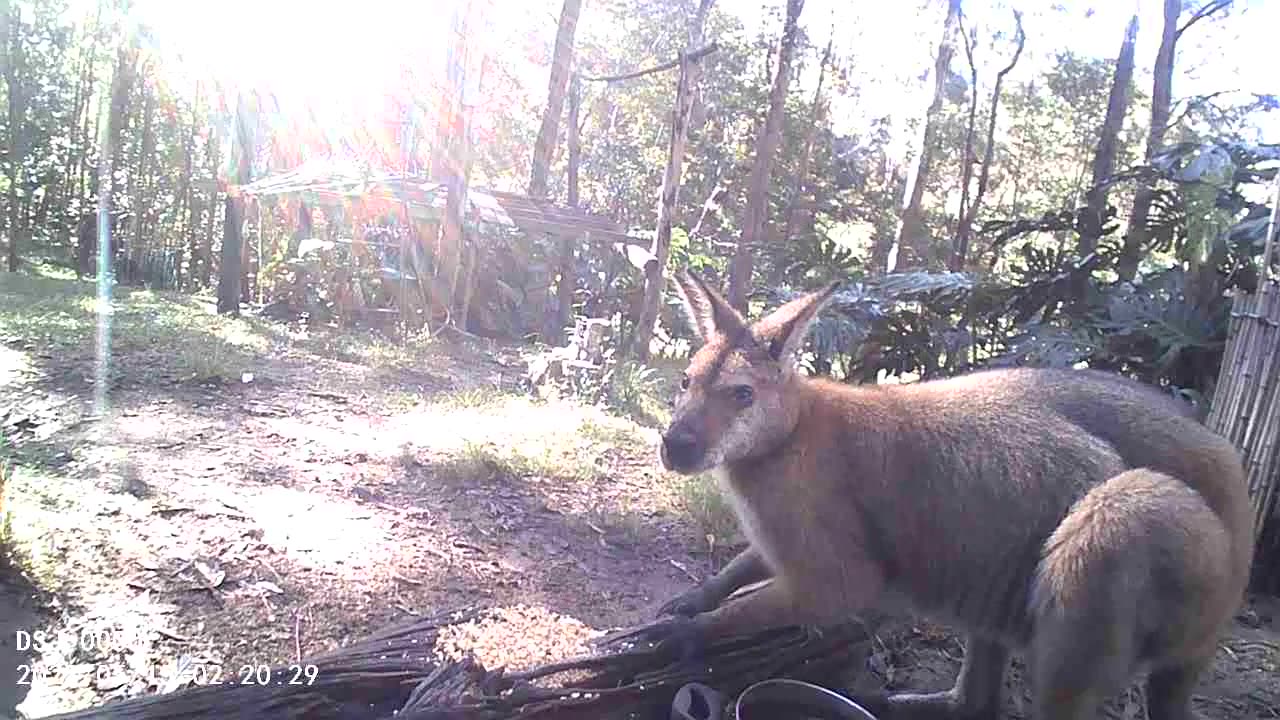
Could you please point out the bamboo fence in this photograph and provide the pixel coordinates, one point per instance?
(1246, 405)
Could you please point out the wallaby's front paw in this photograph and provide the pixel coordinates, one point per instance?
(683, 634)
(920, 706)
(688, 603)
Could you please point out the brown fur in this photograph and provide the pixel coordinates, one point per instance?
(1080, 517)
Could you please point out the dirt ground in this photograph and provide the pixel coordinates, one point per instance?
(248, 495)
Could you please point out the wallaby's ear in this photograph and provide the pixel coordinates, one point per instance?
(709, 312)
(783, 331)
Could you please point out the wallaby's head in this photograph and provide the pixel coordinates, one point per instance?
(735, 400)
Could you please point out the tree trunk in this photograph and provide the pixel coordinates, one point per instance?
(967, 158)
(449, 101)
(65, 200)
(15, 149)
(190, 228)
(231, 272)
(806, 151)
(757, 209)
(655, 273)
(1161, 96)
(913, 242)
(303, 231)
(561, 62)
(449, 165)
(84, 131)
(211, 214)
(136, 252)
(969, 211)
(1104, 160)
(104, 182)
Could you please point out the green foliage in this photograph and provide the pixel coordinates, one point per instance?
(1168, 329)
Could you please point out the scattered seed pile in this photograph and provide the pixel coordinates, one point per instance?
(517, 637)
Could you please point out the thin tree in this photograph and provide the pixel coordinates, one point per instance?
(969, 210)
(756, 211)
(188, 198)
(912, 243)
(561, 63)
(798, 199)
(1104, 160)
(1138, 234)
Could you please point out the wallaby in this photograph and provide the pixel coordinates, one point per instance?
(1082, 518)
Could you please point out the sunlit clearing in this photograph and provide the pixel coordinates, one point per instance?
(13, 364)
(337, 535)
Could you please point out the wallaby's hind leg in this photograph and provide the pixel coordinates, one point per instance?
(1169, 690)
(1078, 659)
(1138, 572)
(975, 696)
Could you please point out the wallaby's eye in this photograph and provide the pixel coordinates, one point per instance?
(744, 395)
(684, 382)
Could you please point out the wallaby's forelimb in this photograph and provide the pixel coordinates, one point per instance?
(744, 569)
(772, 606)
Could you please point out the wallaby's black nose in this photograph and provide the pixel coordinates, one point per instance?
(681, 448)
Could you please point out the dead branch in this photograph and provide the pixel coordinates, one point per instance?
(1205, 11)
(693, 56)
(1193, 103)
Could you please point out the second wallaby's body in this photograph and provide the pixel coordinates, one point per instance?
(1078, 516)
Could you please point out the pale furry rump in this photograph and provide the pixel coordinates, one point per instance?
(1124, 556)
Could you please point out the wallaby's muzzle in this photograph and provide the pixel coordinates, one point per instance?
(682, 449)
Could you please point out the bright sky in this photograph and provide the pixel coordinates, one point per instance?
(896, 42)
(337, 56)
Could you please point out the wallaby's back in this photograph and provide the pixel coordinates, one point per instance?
(978, 471)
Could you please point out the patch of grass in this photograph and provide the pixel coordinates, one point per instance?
(364, 347)
(6, 527)
(27, 551)
(701, 498)
(610, 434)
(472, 399)
(485, 433)
(636, 391)
(150, 332)
(480, 461)
(618, 524)
(399, 401)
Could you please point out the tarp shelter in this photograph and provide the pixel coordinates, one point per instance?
(330, 182)
(348, 186)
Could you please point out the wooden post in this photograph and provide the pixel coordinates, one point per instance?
(567, 281)
(661, 249)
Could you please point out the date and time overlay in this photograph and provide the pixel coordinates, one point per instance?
(185, 671)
